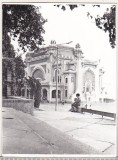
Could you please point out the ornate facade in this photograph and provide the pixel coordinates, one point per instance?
(72, 72)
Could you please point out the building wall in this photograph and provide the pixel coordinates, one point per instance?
(70, 67)
(94, 94)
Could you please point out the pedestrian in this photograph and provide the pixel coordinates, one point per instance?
(76, 104)
(62, 102)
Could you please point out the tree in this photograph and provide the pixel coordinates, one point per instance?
(19, 74)
(106, 22)
(24, 23)
(20, 67)
(15, 69)
(35, 86)
(8, 64)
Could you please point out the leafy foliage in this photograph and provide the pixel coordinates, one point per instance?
(19, 74)
(106, 22)
(8, 64)
(24, 22)
(16, 68)
(72, 6)
(19, 68)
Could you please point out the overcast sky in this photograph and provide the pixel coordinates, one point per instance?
(65, 26)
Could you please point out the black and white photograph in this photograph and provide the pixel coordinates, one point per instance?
(59, 79)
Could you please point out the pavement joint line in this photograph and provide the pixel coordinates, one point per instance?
(47, 142)
(17, 129)
(111, 144)
(90, 124)
(44, 140)
(51, 144)
(31, 130)
(105, 141)
(107, 148)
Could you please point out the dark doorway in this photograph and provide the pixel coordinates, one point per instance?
(54, 94)
(44, 94)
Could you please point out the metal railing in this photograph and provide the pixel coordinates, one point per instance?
(102, 113)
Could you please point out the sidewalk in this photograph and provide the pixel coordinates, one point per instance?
(25, 134)
(89, 129)
(57, 132)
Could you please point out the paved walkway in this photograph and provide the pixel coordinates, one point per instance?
(57, 132)
(90, 129)
(25, 134)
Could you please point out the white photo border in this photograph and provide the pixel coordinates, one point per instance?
(57, 157)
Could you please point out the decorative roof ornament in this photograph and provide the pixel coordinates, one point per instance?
(77, 46)
(53, 42)
(101, 71)
(78, 52)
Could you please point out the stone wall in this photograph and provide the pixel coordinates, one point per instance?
(24, 105)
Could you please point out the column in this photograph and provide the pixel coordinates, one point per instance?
(79, 77)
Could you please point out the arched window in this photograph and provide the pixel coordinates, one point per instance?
(89, 81)
(38, 74)
(66, 93)
(66, 80)
(55, 76)
(54, 94)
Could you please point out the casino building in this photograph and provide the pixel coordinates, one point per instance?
(75, 73)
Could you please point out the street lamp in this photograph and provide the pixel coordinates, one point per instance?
(56, 104)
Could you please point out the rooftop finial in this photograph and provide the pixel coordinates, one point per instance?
(77, 46)
(53, 42)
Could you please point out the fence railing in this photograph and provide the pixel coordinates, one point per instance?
(102, 113)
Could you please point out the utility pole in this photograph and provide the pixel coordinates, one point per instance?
(57, 67)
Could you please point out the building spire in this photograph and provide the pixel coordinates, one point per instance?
(52, 42)
(78, 52)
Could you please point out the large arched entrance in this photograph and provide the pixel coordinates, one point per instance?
(89, 81)
(39, 74)
(89, 84)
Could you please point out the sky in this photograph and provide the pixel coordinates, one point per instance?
(65, 26)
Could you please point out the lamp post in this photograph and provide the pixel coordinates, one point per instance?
(56, 104)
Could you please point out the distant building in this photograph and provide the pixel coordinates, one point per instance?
(75, 74)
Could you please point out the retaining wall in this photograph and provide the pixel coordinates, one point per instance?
(24, 105)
